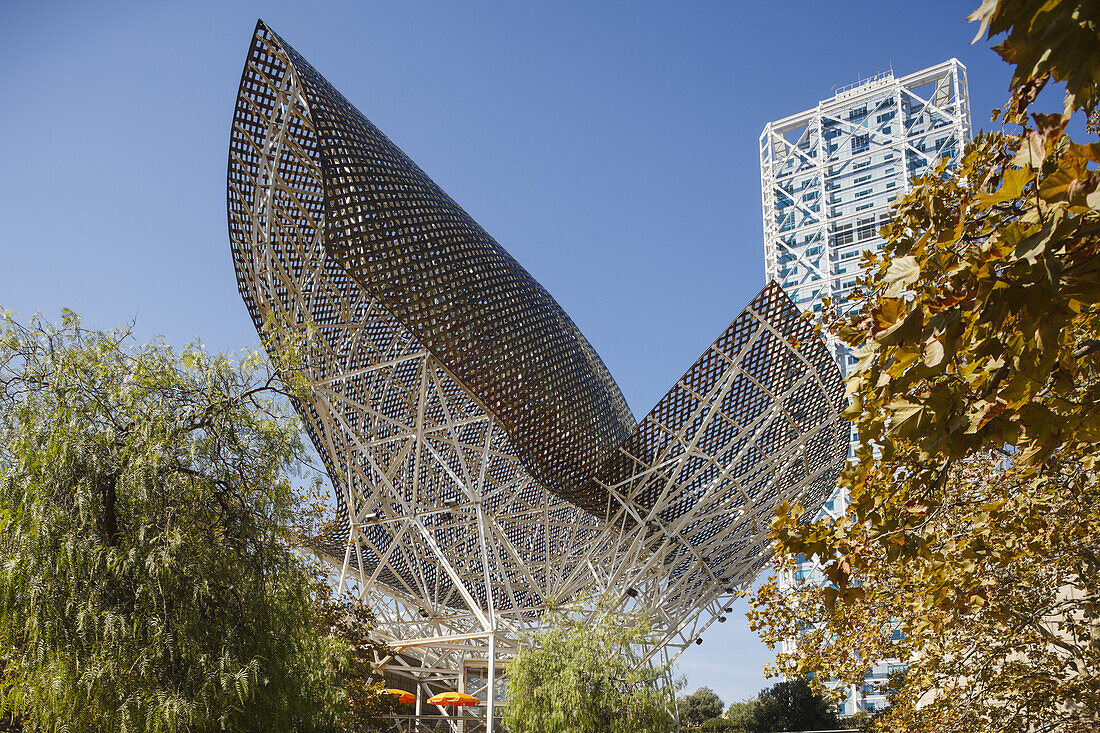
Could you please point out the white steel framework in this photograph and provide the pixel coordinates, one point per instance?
(828, 178)
(829, 174)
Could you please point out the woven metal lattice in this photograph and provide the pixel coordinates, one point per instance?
(377, 390)
(486, 464)
(753, 422)
(405, 241)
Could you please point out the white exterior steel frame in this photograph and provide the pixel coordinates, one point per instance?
(828, 178)
(829, 174)
(448, 539)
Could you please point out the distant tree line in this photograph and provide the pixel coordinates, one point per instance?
(785, 706)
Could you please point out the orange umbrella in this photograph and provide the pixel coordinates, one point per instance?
(454, 699)
(401, 695)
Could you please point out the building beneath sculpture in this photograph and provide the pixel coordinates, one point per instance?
(486, 465)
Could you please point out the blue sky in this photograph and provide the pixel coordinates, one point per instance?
(611, 147)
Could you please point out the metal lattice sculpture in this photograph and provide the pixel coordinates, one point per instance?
(487, 466)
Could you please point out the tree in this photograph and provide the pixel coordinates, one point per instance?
(742, 715)
(148, 579)
(971, 547)
(585, 677)
(364, 703)
(699, 706)
(792, 705)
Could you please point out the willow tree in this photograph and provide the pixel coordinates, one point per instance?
(971, 546)
(586, 677)
(148, 580)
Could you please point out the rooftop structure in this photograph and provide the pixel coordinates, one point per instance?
(829, 176)
(487, 468)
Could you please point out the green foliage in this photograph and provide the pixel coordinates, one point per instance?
(782, 707)
(585, 677)
(719, 725)
(363, 704)
(792, 705)
(973, 530)
(742, 715)
(147, 576)
(861, 721)
(699, 706)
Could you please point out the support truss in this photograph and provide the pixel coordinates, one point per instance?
(461, 527)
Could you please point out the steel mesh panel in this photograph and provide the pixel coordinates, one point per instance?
(754, 421)
(367, 370)
(501, 334)
(488, 459)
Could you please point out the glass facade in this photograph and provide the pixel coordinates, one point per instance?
(829, 176)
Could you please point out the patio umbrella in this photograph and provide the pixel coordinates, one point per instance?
(454, 699)
(401, 695)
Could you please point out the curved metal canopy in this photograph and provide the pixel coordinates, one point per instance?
(486, 463)
(493, 326)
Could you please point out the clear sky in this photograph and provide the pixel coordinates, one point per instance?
(611, 147)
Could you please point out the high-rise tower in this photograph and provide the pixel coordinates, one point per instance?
(829, 176)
